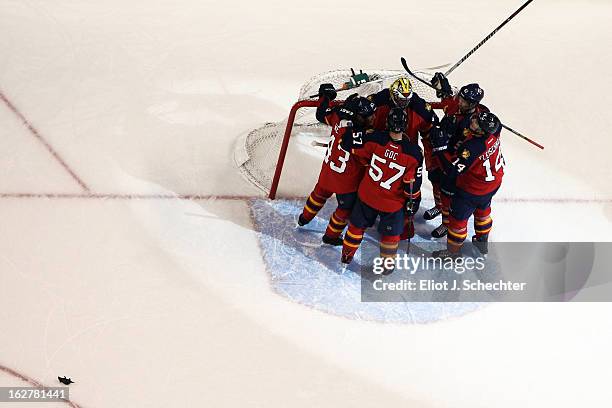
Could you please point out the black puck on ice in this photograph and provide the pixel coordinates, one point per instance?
(65, 380)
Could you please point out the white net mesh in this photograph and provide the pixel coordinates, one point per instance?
(257, 151)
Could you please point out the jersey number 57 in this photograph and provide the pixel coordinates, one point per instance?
(376, 173)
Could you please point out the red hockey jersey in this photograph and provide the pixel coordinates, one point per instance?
(480, 165)
(340, 172)
(394, 170)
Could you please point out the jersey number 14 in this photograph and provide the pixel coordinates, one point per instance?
(499, 164)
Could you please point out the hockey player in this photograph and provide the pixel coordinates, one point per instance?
(340, 172)
(476, 175)
(389, 189)
(459, 107)
(420, 118)
(457, 112)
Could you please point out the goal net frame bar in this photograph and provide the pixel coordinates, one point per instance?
(308, 103)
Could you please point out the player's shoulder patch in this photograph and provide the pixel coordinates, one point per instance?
(465, 154)
(427, 106)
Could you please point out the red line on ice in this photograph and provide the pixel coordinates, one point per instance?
(41, 139)
(199, 197)
(112, 196)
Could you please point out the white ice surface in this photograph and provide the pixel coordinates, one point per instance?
(159, 303)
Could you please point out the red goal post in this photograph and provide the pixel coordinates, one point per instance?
(287, 136)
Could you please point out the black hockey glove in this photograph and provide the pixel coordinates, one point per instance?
(438, 139)
(328, 91)
(436, 79)
(443, 88)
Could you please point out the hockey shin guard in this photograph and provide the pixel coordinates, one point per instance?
(482, 222)
(315, 202)
(437, 195)
(389, 245)
(351, 242)
(445, 201)
(337, 222)
(457, 233)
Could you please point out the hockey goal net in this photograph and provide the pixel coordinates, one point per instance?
(260, 153)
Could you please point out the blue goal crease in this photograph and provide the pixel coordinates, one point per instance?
(307, 272)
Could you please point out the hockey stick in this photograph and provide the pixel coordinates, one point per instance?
(487, 38)
(411, 218)
(412, 74)
(533, 142)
